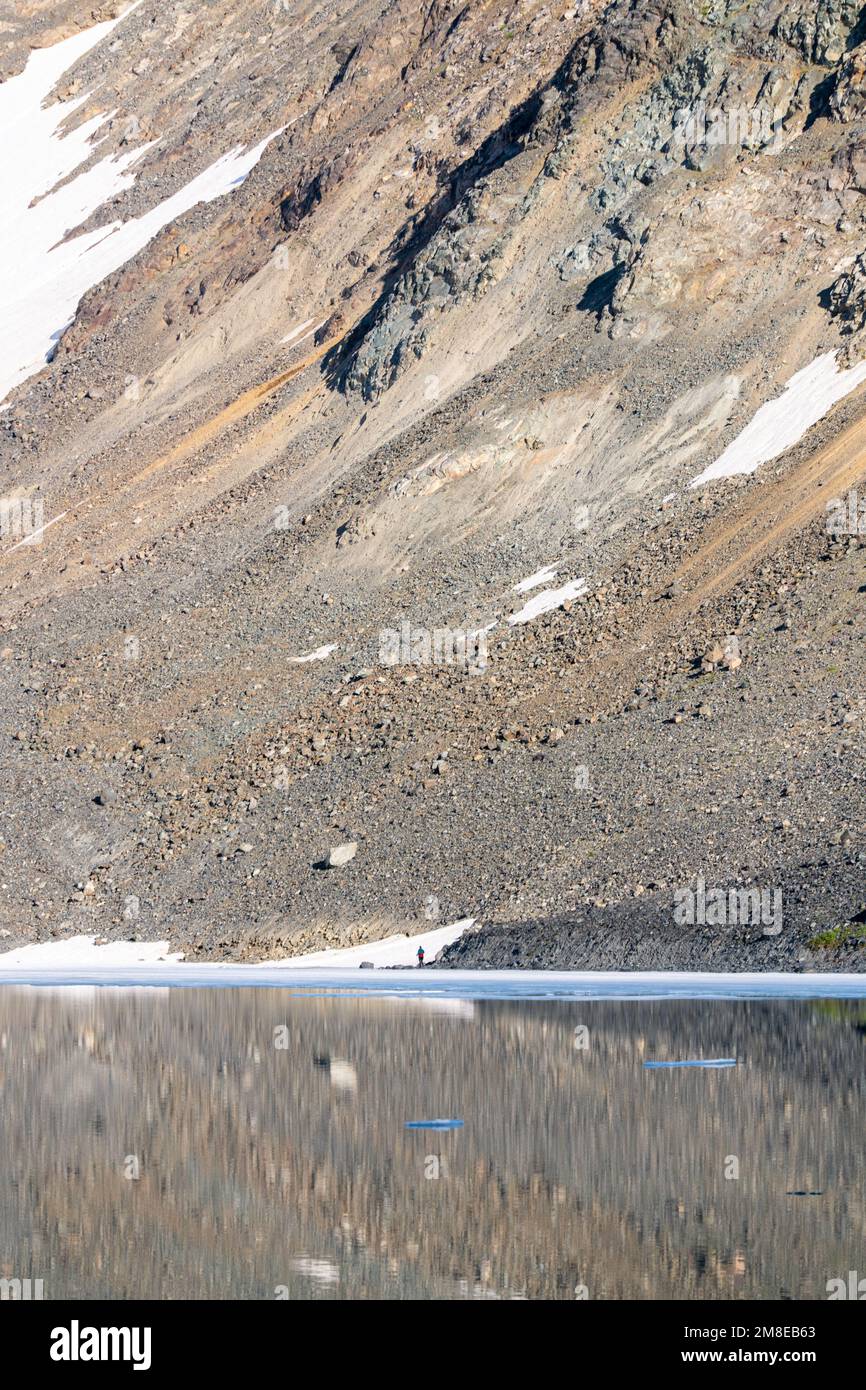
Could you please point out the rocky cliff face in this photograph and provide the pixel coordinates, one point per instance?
(506, 280)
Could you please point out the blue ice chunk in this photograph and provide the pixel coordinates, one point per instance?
(702, 1062)
(433, 1124)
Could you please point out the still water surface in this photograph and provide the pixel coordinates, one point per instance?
(257, 1143)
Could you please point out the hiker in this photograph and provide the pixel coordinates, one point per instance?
(420, 955)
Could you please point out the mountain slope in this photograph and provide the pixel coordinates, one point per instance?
(503, 283)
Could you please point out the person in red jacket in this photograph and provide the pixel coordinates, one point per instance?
(420, 955)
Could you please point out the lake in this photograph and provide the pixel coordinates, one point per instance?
(262, 1143)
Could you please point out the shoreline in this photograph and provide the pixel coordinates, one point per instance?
(430, 984)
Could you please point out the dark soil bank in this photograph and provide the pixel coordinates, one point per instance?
(646, 935)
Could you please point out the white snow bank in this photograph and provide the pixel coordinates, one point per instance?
(299, 328)
(78, 951)
(81, 952)
(293, 336)
(547, 599)
(391, 950)
(780, 423)
(41, 281)
(318, 655)
(540, 577)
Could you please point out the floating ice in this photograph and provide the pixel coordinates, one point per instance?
(408, 983)
(709, 1062)
(433, 1124)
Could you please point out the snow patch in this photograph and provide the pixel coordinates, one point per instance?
(82, 951)
(299, 328)
(480, 632)
(43, 277)
(548, 599)
(541, 577)
(318, 655)
(782, 422)
(295, 331)
(397, 950)
(36, 536)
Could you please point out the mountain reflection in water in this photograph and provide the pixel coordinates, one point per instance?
(247, 1143)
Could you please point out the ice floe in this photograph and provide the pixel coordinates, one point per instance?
(429, 984)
